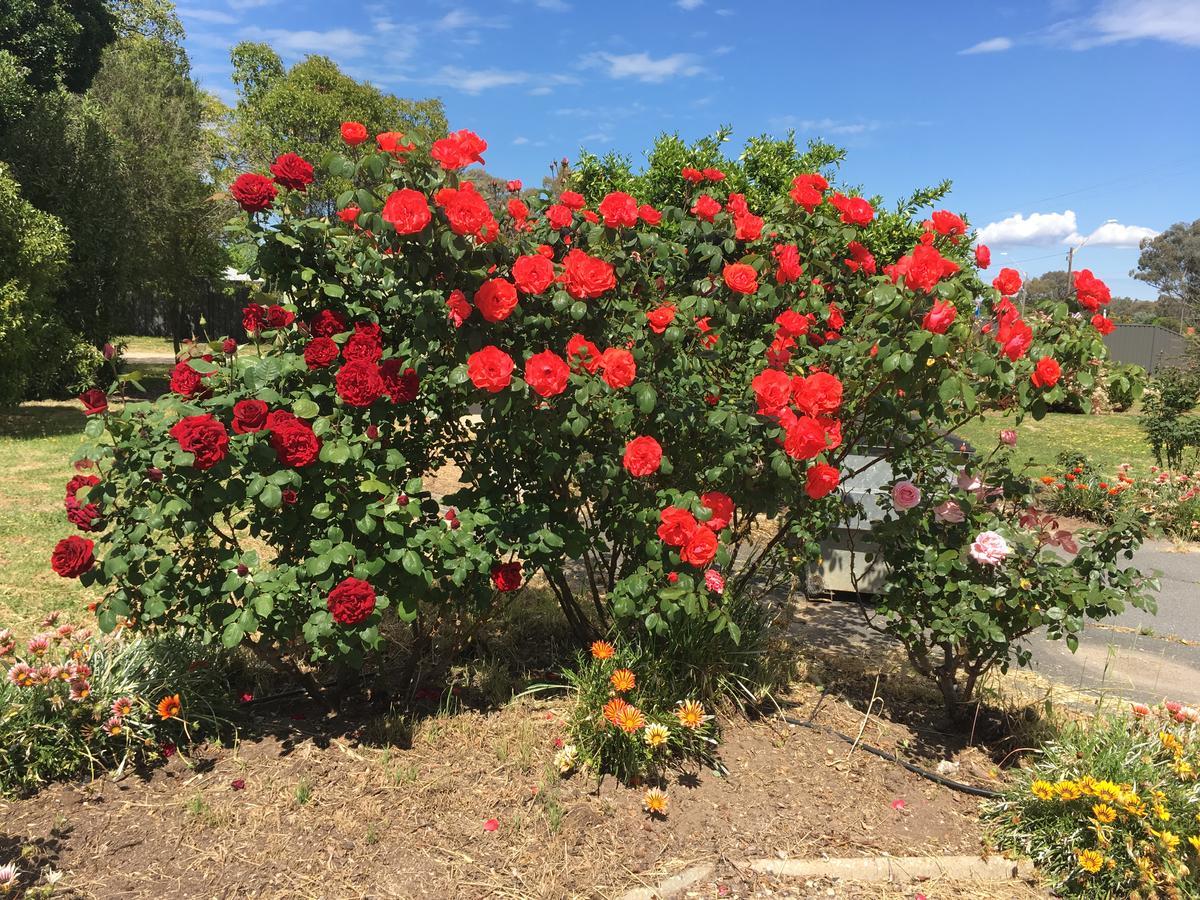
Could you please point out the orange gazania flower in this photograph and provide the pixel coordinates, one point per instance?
(691, 714)
(624, 715)
(169, 707)
(603, 650)
(623, 680)
(654, 801)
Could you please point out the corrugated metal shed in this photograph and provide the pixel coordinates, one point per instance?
(1149, 346)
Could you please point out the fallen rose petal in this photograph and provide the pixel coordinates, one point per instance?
(898, 804)
(238, 784)
(491, 825)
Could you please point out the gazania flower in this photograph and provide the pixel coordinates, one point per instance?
(625, 716)
(566, 759)
(8, 877)
(655, 802)
(169, 707)
(21, 674)
(122, 707)
(1042, 790)
(1169, 841)
(1068, 791)
(38, 644)
(603, 650)
(656, 735)
(691, 714)
(1103, 813)
(623, 680)
(114, 726)
(1091, 861)
(80, 689)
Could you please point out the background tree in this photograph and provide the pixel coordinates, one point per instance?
(1171, 262)
(1054, 285)
(59, 42)
(301, 110)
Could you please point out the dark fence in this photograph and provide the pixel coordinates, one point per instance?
(1149, 346)
(211, 309)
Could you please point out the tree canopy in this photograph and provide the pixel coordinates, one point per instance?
(59, 42)
(1171, 262)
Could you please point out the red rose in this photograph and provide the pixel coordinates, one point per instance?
(713, 175)
(1090, 291)
(820, 480)
(393, 142)
(1102, 323)
(327, 323)
(490, 369)
(787, 258)
(660, 319)
(458, 308)
(517, 209)
(292, 172)
(359, 382)
(229, 346)
(922, 269)
(351, 602)
(820, 394)
(1008, 282)
(676, 525)
(854, 210)
(572, 200)
(722, 509)
(805, 438)
(533, 274)
(1046, 372)
(253, 192)
(293, 440)
(582, 353)
(349, 215)
(649, 214)
(254, 318)
(514, 185)
(620, 210)
(619, 368)
(705, 208)
(496, 299)
(1014, 338)
(695, 176)
(407, 211)
(700, 547)
(467, 212)
(559, 216)
(792, 324)
(354, 133)
(773, 391)
(741, 278)
(587, 277)
(399, 383)
(278, 317)
(458, 150)
(506, 576)
(72, 556)
(940, 317)
(94, 401)
(983, 256)
(643, 455)
(948, 224)
(547, 373)
(249, 416)
(366, 344)
(860, 258)
(320, 353)
(808, 191)
(202, 436)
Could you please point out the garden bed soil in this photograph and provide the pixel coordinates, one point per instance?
(327, 812)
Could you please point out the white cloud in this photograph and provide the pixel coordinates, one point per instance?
(552, 5)
(472, 81)
(689, 4)
(1113, 234)
(825, 126)
(518, 141)
(342, 42)
(252, 4)
(1174, 21)
(991, 45)
(1040, 229)
(541, 91)
(460, 17)
(208, 16)
(644, 67)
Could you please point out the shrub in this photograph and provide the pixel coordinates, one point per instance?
(1109, 808)
(1124, 384)
(650, 407)
(1172, 394)
(72, 702)
(1079, 490)
(1171, 500)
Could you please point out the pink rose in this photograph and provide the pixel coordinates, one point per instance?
(989, 549)
(714, 581)
(948, 511)
(1009, 436)
(905, 495)
(968, 482)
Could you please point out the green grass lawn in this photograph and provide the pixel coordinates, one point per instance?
(1108, 440)
(146, 345)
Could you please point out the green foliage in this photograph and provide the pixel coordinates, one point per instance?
(1108, 809)
(1082, 491)
(1124, 384)
(1171, 262)
(57, 713)
(33, 254)
(1168, 417)
(58, 41)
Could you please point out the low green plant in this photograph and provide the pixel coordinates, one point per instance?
(1171, 427)
(1081, 491)
(1110, 807)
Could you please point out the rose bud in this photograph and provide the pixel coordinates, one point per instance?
(109, 351)
(154, 473)
(402, 500)
(243, 569)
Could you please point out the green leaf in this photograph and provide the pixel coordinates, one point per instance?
(271, 496)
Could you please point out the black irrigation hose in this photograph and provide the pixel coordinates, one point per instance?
(891, 757)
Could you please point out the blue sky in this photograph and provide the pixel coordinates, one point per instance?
(1059, 121)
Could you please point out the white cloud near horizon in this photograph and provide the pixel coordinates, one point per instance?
(343, 42)
(1113, 234)
(991, 45)
(1051, 229)
(644, 67)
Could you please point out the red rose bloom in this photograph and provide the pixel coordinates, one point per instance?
(1046, 372)
(643, 455)
(518, 210)
(713, 175)
(1008, 282)
(253, 192)
(514, 185)
(1102, 323)
(407, 211)
(506, 576)
(327, 323)
(533, 274)
(649, 214)
(202, 436)
(458, 308)
(1090, 291)
(365, 344)
(587, 277)
(354, 133)
(722, 509)
(805, 438)
(983, 256)
(186, 381)
(94, 401)
(1014, 338)
(792, 324)
(293, 440)
(490, 369)
(860, 258)
(559, 216)
(496, 299)
(620, 210)
(808, 191)
(292, 172)
(393, 142)
(459, 150)
(582, 353)
(773, 391)
(467, 212)
(249, 416)
(619, 368)
(351, 602)
(700, 547)
(948, 224)
(676, 525)
(320, 353)
(399, 383)
(940, 317)
(229, 346)
(854, 210)
(254, 318)
(72, 556)
(359, 382)
(660, 319)
(820, 480)
(741, 278)
(571, 200)
(278, 317)
(547, 373)
(695, 176)
(787, 259)
(705, 208)
(922, 269)
(349, 215)
(820, 394)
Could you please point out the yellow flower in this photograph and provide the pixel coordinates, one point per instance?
(169, 707)
(1068, 791)
(691, 714)
(1043, 790)
(1170, 742)
(656, 735)
(655, 802)
(1161, 813)
(1106, 791)
(1169, 841)
(1194, 840)
(622, 680)
(1090, 860)
(1104, 813)
(566, 758)
(603, 650)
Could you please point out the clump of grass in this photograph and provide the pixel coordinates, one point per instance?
(304, 791)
